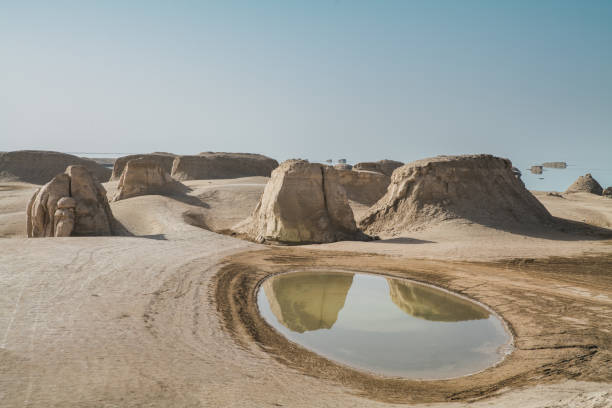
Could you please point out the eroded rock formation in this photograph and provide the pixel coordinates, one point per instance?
(306, 301)
(382, 166)
(363, 187)
(164, 160)
(39, 167)
(145, 176)
(73, 203)
(210, 165)
(555, 165)
(302, 203)
(536, 169)
(607, 192)
(585, 184)
(477, 188)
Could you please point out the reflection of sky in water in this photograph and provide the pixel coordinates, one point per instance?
(372, 332)
(561, 179)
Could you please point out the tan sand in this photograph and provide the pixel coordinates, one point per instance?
(135, 321)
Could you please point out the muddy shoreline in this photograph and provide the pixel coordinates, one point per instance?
(559, 333)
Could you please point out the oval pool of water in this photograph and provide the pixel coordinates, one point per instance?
(389, 326)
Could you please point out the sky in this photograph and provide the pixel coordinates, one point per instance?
(362, 80)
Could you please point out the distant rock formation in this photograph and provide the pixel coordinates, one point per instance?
(382, 166)
(145, 176)
(302, 203)
(433, 304)
(478, 188)
(307, 301)
(343, 166)
(164, 160)
(585, 184)
(364, 187)
(71, 204)
(210, 165)
(607, 192)
(536, 169)
(39, 167)
(555, 165)
(368, 166)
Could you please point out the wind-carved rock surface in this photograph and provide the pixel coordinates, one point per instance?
(607, 192)
(364, 187)
(73, 203)
(302, 203)
(145, 176)
(382, 166)
(478, 188)
(211, 165)
(39, 167)
(164, 160)
(585, 184)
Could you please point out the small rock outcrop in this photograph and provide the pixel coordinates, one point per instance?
(302, 203)
(363, 187)
(382, 166)
(145, 176)
(164, 160)
(607, 192)
(210, 165)
(585, 184)
(555, 165)
(536, 169)
(73, 203)
(39, 167)
(343, 166)
(368, 166)
(478, 188)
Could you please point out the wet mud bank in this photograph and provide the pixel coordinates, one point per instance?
(559, 311)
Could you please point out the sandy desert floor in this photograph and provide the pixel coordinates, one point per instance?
(163, 317)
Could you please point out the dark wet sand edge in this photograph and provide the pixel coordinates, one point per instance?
(547, 347)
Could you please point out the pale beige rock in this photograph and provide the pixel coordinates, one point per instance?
(164, 160)
(211, 165)
(343, 166)
(363, 187)
(145, 176)
(607, 192)
(39, 167)
(92, 212)
(477, 188)
(43, 205)
(302, 203)
(368, 166)
(585, 184)
(536, 169)
(388, 166)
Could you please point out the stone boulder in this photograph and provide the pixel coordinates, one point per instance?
(73, 203)
(477, 188)
(210, 165)
(607, 192)
(585, 184)
(39, 167)
(145, 176)
(164, 160)
(302, 203)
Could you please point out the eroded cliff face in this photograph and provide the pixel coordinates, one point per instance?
(302, 203)
(477, 188)
(306, 301)
(216, 165)
(164, 160)
(433, 304)
(73, 203)
(144, 176)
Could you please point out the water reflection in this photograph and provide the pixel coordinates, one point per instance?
(390, 326)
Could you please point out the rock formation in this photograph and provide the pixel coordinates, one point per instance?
(39, 167)
(536, 169)
(433, 304)
(209, 165)
(164, 160)
(73, 203)
(145, 176)
(343, 166)
(478, 188)
(607, 192)
(363, 187)
(302, 203)
(307, 301)
(382, 166)
(555, 165)
(368, 166)
(585, 184)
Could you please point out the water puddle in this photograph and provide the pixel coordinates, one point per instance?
(393, 327)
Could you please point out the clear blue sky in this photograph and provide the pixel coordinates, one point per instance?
(529, 80)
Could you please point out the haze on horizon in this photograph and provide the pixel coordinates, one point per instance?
(403, 80)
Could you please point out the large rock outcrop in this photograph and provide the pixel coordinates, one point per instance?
(307, 301)
(382, 166)
(39, 167)
(145, 176)
(363, 187)
(164, 160)
(477, 188)
(585, 184)
(73, 203)
(302, 203)
(210, 165)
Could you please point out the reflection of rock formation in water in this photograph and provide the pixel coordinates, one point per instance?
(307, 301)
(433, 304)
